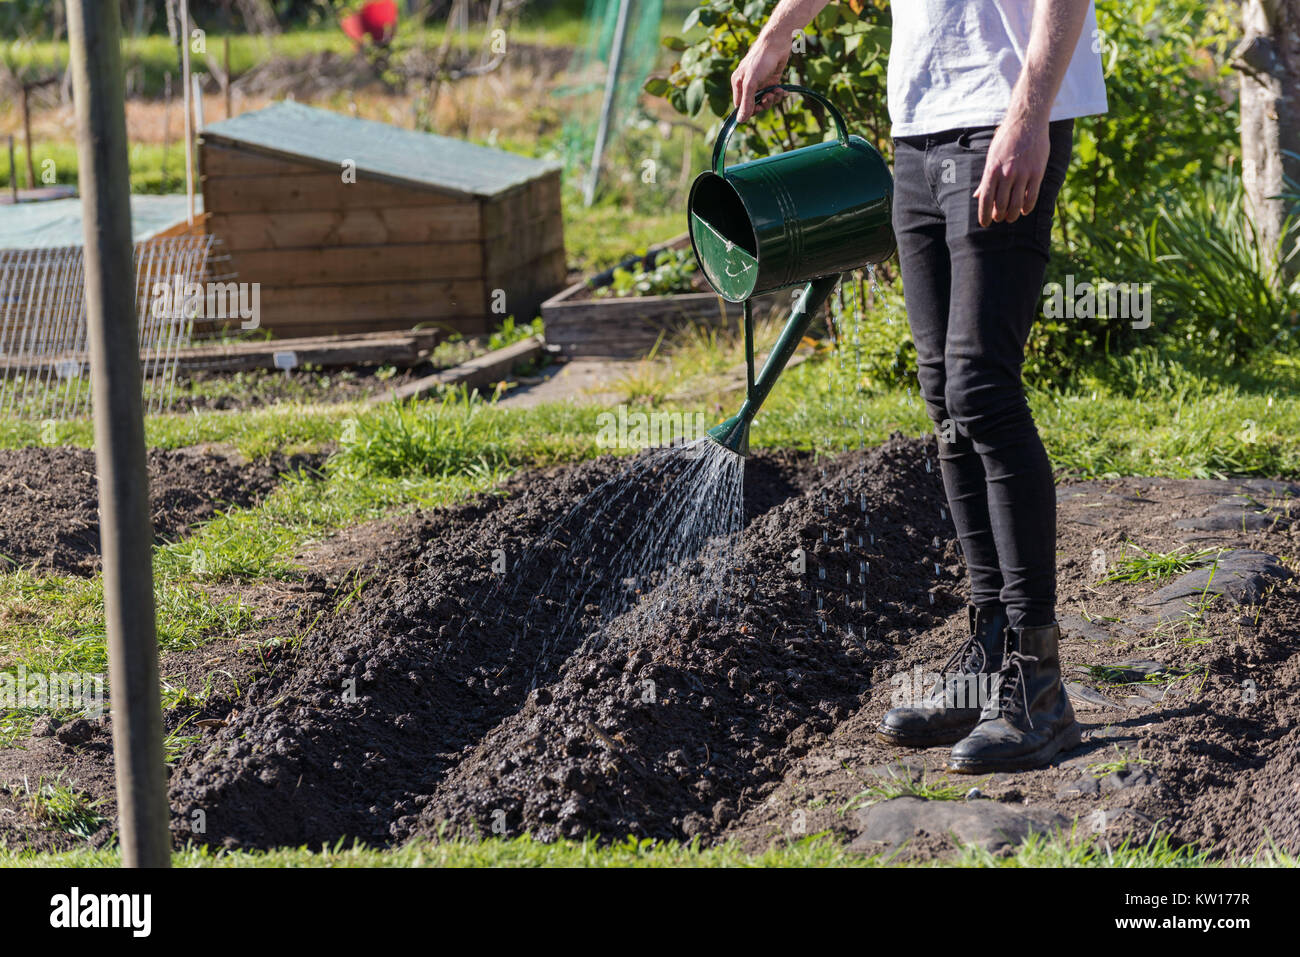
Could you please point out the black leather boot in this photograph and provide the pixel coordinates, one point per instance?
(952, 707)
(1028, 719)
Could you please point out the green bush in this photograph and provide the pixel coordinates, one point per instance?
(841, 54)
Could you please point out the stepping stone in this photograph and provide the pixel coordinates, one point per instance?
(1236, 513)
(1087, 699)
(1086, 786)
(1126, 778)
(1076, 626)
(1241, 576)
(988, 824)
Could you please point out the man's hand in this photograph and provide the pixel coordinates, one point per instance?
(764, 65)
(1013, 171)
(1018, 154)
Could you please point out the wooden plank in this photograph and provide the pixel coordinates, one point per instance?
(265, 194)
(222, 160)
(476, 372)
(401, 347)
(465, 325)
(459, 222)
(361, 350)
(629, 327)
(415, 300)
(510, 254)
(343, 264)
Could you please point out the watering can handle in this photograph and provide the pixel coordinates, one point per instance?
(729, 127)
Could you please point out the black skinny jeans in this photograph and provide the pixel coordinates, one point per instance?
(972, 293)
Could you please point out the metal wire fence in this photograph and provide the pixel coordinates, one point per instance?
(44, 359)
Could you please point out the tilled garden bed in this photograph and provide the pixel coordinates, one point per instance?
(49, 501)
(428, 710)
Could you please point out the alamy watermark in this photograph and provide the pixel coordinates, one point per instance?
(210, 300)
(642, 430)
(55, 691)
(919, 688)
(1098, 299)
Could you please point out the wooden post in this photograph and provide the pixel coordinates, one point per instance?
(27, 136)
(13, 171)
(185, 89)
(229, 25)
(607, 107)
(126, 537)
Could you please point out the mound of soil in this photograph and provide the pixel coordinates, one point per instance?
(49, 500)
(396, 722)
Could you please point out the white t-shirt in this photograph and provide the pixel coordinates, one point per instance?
(952, 63)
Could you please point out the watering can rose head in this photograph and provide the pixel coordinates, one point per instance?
(790, 218)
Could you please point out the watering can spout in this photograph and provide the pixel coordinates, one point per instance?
(734, 432)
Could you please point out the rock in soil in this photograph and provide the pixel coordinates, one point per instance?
(892, 825)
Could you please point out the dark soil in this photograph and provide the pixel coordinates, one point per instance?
(424, 710)
(49, 515)
(393, 723)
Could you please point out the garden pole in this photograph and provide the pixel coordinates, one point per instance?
(607, 107)
(126, 537)
(185, 89)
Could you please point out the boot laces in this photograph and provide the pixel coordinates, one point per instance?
(969, 659)
(1012, 697)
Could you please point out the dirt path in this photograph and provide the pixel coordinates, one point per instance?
(1186, 696)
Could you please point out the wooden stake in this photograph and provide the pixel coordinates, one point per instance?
(27, 137)
(13, 171)
(189, 131)
(126, 537)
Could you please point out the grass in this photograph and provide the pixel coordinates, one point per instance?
(905, 785)
(1150, 566)
(61, 807)
(1060, 850)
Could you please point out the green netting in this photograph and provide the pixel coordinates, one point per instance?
(585, 89)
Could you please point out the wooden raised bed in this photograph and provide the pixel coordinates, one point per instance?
(628, 327)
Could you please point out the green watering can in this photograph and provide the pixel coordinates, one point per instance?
(802, 217)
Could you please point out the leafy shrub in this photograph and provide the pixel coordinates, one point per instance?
(673, 272)
(842, 54)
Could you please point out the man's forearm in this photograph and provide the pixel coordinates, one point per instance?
(1053, 36)
(790, 17)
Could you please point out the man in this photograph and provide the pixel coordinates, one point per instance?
(983, 96)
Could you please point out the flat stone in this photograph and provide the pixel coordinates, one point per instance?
(1086, 786)
(1235, 513)
(1087, 697)
(1076, 626)
(1126, 778)
(1241, 576)
(988, 824)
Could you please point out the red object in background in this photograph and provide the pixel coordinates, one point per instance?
(377, 20)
